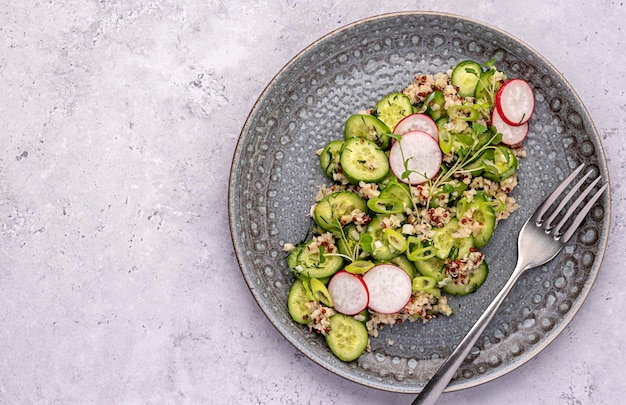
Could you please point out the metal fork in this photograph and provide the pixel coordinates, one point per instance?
(539, 241)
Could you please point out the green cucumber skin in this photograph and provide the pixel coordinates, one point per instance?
(329, 158)
(444, 243)
(368, 127)
(399, 191)
(405, 264)
(363, 160)
(485, 214)
(296, 300)
(435, 105)
(475, 280)
(304, 264)
(392, 108)
(385, 253)
(433, 267)
(464, 80)
(331, 208)
(340, 325)
(498, 170)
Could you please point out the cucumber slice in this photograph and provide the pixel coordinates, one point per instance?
(405, 264)
(304, 264)
(329, 211)
(397, 191)
(392, 108)
(296, 303)
(499, 163)
(469, 284)
(483, 213)
(433, 267)
(363, 160)
(376, 242)
(448, 247)
(435, 105)
(347, 338)
(435, 292)
(368, 127)
(329, 159)
(465, 75)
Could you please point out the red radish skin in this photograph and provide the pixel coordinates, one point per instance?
(512, 135)
(417, 122)
(348, 292)
(389, 287)
(422, 154)
(515, 102)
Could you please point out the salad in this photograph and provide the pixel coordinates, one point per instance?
(419, 183)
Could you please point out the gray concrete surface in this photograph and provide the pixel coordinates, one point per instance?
(118, 121)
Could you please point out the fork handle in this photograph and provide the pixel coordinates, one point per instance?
(446, 371)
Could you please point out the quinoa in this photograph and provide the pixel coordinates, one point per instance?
(320, 316)
(325, 240)
(368, 190)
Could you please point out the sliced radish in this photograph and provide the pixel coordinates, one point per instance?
(349, 293)
(417, 122)
(515, 102)
(511, 134)
(389, 288)
(422, 156)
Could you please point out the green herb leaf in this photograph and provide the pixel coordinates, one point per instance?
(496, 139)
(322, 258)
(463, 152)
(366, 242)
(478, 128)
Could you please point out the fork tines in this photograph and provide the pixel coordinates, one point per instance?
(558, 231)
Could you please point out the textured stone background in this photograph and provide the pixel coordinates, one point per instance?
(118, 121)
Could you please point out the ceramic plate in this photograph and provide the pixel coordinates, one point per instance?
(275, 175)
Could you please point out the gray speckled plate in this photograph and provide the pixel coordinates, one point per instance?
(275, 175)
